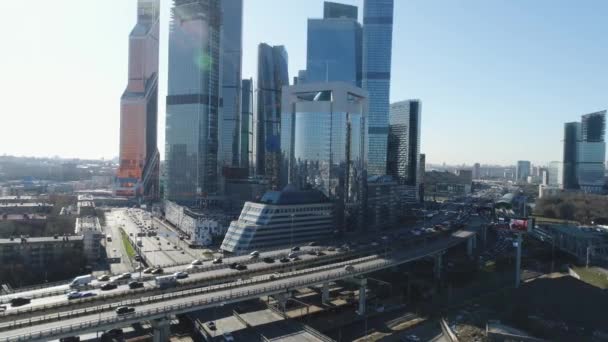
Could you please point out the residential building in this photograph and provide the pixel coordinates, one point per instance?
(193, 100)
(138, 171)
(403, 154)
(445, 184)
(199, 228)
(92, 234)
(376, 77)
(247, 140)
(555, 171)
(281, 218)
(523, 170)
(272, 76)
(323, 141)
(334, 46)
(40, 252)
(231, 59)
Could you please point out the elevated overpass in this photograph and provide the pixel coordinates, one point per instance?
(159, 310)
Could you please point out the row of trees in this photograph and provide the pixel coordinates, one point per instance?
(584, 208)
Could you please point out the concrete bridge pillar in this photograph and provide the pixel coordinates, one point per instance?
(325, 293)
(161, 329)
(281, 299)
(437, 265)
(362, 296)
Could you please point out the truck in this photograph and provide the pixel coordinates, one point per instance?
(166, 281)
(81, 280)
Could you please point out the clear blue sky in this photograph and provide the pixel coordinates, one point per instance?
(497, 78)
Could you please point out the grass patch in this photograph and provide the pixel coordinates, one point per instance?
(593, 277)
(125, 242)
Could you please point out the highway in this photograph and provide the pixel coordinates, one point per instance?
(203, 297)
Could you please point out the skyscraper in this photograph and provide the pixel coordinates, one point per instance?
(555, 173)
(231, 57)
(247, 125)
(377, 49)
(403, 153)
(334, 46)
(138, 172)
(193, 100)
(523, 170)
(272, 76)
(571, 138)
(591, 152)
(323, 141)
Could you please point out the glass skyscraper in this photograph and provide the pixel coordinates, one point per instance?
(193, 100)
(523, 170)
(231, 56)
(334, 46)
(272, 76)
(404, 142)
(323, 141)
(571, 138)
(138, 171)
(377, 49)
(246, 149)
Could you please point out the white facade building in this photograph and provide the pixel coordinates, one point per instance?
(199, 227)
(92, 234)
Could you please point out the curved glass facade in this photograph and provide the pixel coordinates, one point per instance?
(193, 100)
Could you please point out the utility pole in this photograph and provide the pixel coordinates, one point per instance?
(518, 245)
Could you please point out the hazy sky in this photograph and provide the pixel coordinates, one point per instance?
(497, 78)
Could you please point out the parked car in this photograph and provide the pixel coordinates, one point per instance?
(19, 301)
(125, 310)
(104, 277)
(108, 286)
(136, 285)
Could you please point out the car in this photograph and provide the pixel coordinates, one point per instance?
(125, 310)
(104, 277)
(349, 268)
(136, 285)
(295, 249)
(196, 262)
(157, 270)
(254, 256)
(319, 253)
(255, 253)
(74, 295)
(284, 259)
(233, 265)
(292, 255)
(148, 270)
(241, 267)
(228, 337)
(331, 249)
(87, 294)
(3, 308)
(211, 325)
(268, 260)
(295, 258)
(70, 339)
(19, 301)
(312, 253)
(274, 276)
(217, 261)
(312, 244)
(180, 275)
(108, 286)
(139, 268)
(124, 276)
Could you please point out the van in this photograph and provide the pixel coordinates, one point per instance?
(81, 280)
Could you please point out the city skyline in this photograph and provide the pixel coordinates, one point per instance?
(536, 111)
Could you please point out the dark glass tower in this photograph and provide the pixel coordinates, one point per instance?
(336, 10)
(591, 153)
(247, 125)
(404, 142)
(272, 76)
(193, 100)
(377, 49)
(138, 172)
(231, 56)
(571, 137)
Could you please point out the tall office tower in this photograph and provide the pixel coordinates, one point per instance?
(231, 60)
(247, 125)
(403, 151)
(272, 76)
(571, 138)
(376, 77)
(421, 172)
(591, 152)
(193, 100)
(477, 171)
(334, 46)
(323, 141)
(138, 172)
(523, 170)
(554, 171)
(337, 10)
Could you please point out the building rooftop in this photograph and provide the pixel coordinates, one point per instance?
(291, 196)
(27, 204)
(89, 223)
(44, 239)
